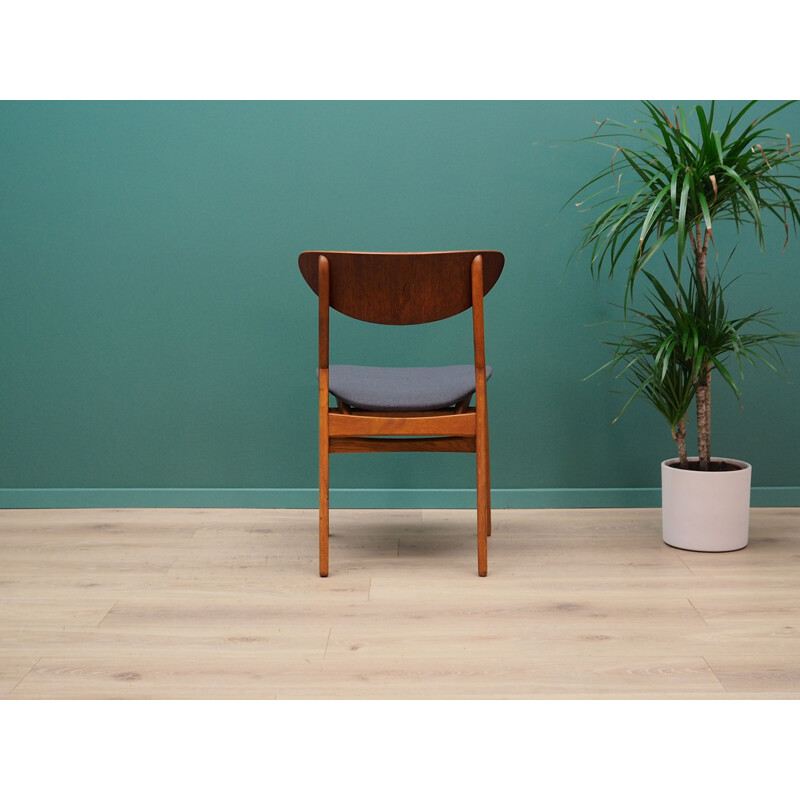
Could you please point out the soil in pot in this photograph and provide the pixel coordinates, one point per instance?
(714, 466)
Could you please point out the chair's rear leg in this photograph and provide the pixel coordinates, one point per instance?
(324, 498)
(323, 275)
(488, 489)
(324, 514)
(483, 503)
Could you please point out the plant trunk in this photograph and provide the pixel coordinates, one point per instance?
(679, 434)
(703, 396)
(703, 399)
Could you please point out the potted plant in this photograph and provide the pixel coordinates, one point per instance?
(670, 187)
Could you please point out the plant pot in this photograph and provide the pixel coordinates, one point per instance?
(705, 511)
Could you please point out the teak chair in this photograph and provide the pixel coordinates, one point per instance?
(428, 407)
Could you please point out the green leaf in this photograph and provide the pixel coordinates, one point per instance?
(655, 208)
(706, 213)
(682, 211)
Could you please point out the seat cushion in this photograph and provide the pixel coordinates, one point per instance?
(402, 388)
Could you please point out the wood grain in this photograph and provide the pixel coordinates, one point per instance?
(434, 444)
(356, 424)
(227, 603)
(400, 288)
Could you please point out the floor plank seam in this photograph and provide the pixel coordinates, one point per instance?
(36, 664)
(686, 565)
(716, 677)
(689, 601)
(327, 642)
(105, 616)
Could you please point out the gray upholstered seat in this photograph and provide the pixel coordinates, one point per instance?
(402, 388)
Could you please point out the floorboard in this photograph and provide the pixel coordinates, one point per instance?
(227, 603)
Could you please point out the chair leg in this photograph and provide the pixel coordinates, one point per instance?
(488, 488)
(324, 505)
(483, 504)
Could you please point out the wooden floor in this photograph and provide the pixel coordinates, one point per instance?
(207, 603)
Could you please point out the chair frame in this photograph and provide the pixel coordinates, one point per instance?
(464, 429)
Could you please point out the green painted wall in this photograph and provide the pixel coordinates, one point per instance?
(156, 333)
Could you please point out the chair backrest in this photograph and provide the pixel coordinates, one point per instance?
(401, 288)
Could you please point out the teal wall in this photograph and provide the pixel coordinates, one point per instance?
(157, 341)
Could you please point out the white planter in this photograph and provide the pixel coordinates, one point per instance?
(705, 511)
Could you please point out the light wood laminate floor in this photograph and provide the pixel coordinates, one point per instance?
(227, 603)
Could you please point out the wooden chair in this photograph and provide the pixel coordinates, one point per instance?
(429, 408)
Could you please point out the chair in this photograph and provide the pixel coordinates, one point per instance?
(380, 409)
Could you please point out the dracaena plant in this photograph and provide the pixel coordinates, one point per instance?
(669, 183)
(666, 347)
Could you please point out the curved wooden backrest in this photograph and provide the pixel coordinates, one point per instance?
(401, 288)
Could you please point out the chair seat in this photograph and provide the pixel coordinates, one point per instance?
(402, 388)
